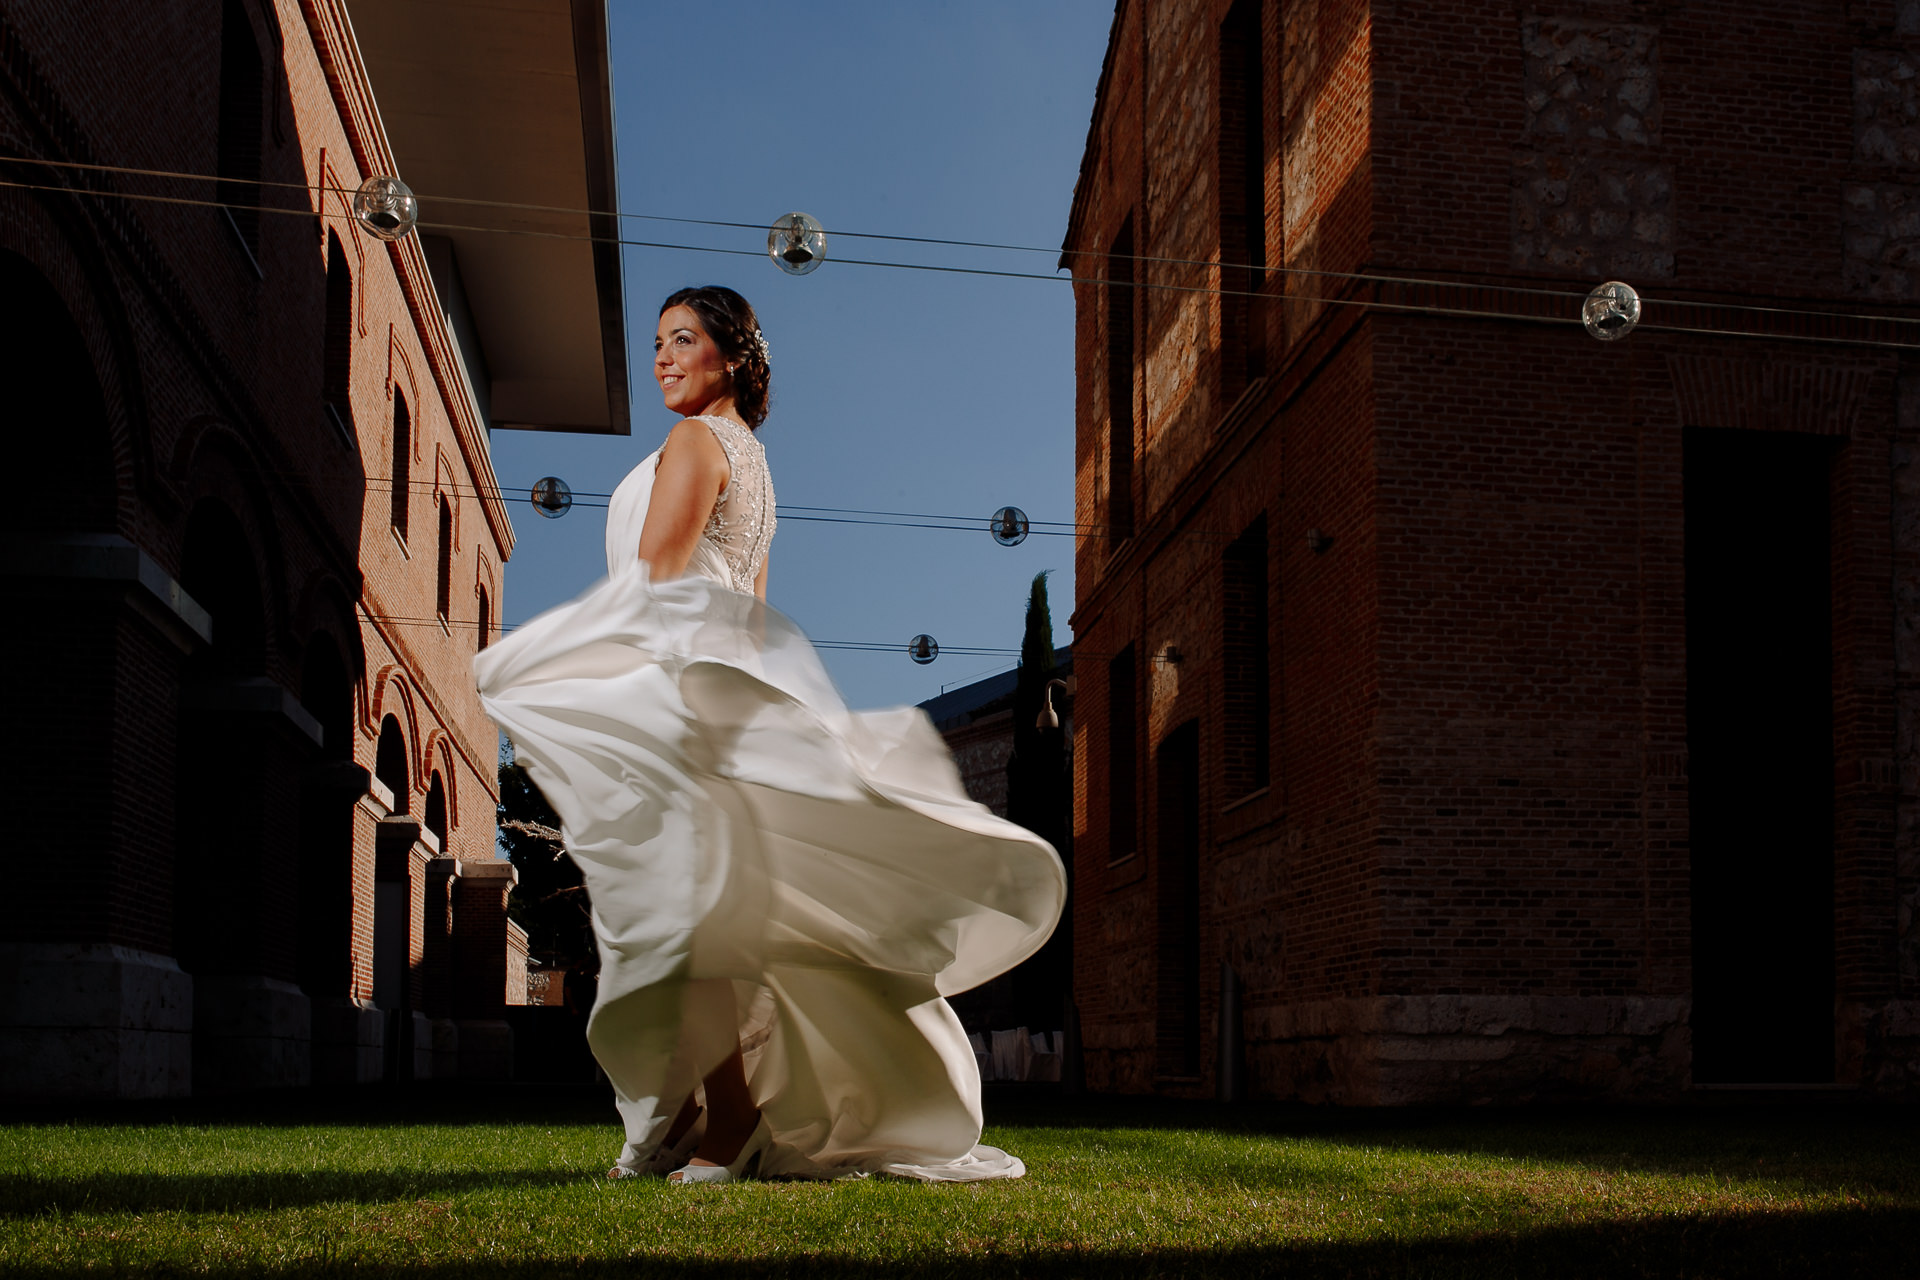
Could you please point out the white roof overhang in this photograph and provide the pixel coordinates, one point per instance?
(511, 101)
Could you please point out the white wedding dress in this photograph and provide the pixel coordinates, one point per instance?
(766, 867)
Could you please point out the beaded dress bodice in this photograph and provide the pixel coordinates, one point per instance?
(733, 547)
(742, 522)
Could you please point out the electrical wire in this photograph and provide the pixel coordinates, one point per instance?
(790, 512)
(523, 206)
(1355, 277)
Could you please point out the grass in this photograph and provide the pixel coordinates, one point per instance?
(506, 1182)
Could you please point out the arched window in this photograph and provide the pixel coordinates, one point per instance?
(486, 619)
(443, 601)
(402, 472)
(337, 356)
(390, 764)
(435, 818)
(238, 147)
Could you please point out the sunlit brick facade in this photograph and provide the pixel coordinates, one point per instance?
(246, 611)
(1518, 715)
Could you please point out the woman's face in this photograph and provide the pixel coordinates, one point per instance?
(687, 363)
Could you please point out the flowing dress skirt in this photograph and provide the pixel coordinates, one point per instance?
(771, 870)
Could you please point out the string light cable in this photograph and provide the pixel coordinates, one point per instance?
(1903, 323)
(1608, 312)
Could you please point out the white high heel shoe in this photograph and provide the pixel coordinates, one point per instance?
(744, 1165)
(665, 1159)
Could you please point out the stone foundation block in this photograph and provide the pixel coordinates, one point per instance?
(250, 1032)
(349, 1039)
(446, 1048)
(486, 1049)
(90, 1020)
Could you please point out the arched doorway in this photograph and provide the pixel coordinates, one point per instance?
(245, 747)
(215, 874)
(326, 827)
(393, 904)
(435, 817)
(390, 763)
(98, 681)
(59, 436)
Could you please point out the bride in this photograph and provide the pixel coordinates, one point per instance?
(783, 890)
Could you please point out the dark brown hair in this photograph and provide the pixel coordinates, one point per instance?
(729, 320)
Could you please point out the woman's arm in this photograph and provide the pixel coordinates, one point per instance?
(692, 472)
(760, 580)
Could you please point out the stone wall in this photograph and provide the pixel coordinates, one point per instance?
(1592, 195)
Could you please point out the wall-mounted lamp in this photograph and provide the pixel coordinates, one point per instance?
(1049, 718)
(1318, 541)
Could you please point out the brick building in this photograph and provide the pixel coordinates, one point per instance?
(266, 537)
(1518, 715)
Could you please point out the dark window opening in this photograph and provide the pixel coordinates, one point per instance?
(390, 763)
(435, 817)
(1177, 1025)
(1760, 755)
(1122, 759)
(1246, 671)
(242, 76)
(443, 600)
(337, 340)
(1120, 353)
(486, 620)
(401, 476)
(1243, 198)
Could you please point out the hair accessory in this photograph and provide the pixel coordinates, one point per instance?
(760, 345)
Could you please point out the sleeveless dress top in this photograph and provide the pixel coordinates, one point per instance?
(768, 869)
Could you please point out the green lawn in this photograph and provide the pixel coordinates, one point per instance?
(506, 1181)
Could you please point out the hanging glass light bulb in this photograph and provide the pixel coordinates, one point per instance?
(1009, 526)
(797, 243)
(1611, 311)
(923, 649)
(552, 498)
(385, 207)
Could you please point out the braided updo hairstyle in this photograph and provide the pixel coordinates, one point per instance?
(729, 320)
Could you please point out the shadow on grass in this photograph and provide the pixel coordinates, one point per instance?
(1874, 1243)
(24, 1195)
(443, 1102)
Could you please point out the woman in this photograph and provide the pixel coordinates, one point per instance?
(783, 890)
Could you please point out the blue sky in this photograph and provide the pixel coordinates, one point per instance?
(897, 390)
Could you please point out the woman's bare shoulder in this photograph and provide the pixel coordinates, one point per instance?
(695, 441)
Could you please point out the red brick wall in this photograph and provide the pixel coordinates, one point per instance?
(211, 369)
(1469, 876)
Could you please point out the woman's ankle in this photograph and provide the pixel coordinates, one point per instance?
(722, 1141)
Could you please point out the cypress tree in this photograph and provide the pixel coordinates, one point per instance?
(1040, 798)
